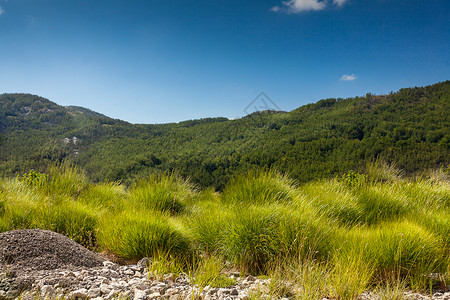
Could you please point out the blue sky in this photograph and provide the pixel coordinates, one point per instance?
(160, 61)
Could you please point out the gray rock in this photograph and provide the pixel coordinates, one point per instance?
(105, 289)
(171, 291)
(81, 293)
(127, 295)
(94, 292)
(234, 292)
(47, 292)
(110, 265)
(12, 294)
(145, 262)
(135, 281)
(113, 294)
(155, 295)
(139, 295)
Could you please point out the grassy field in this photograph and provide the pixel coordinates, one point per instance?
(331, 238)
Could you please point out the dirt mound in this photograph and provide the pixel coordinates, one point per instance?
(36, 249)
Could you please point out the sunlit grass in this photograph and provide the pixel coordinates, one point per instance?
(133, 235)
(329, 238)
(163, 192)
(259, 187)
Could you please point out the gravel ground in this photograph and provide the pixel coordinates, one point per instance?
(36, 249)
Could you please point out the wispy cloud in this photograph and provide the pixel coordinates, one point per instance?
(339, 2)
(1, 11)
(297, 6)
(346, 77)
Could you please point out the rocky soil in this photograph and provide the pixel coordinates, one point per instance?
(39, 264)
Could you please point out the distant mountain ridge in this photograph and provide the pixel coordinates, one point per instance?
(85, 111)
(409, 127)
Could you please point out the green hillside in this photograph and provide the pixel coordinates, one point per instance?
(409, 127)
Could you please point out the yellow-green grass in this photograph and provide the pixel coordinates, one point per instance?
(133, 235)
(385, 232)
(163, 192)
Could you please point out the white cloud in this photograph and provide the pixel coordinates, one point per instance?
(1, 10)
(296, 6)
(346, 77)
(339, 2)
(275, 8)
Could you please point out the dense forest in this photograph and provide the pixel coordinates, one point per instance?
(409, 128)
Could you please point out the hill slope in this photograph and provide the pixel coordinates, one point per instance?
(409, 127)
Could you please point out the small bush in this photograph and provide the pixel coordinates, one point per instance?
(35, 179)
(353, 179)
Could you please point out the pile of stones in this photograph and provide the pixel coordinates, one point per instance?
(135, 282)
(112, 281)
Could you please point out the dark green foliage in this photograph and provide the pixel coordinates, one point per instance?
(33, 178)
(318, 140)
(354, 179)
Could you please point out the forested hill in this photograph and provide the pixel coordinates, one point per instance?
(409, 127)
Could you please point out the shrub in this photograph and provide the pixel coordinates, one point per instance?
(353, 179)
(35, 179)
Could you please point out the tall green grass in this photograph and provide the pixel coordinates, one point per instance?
(132, 235)
(259, 187)
(163, 192)
(329, 238)
(29, 207)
